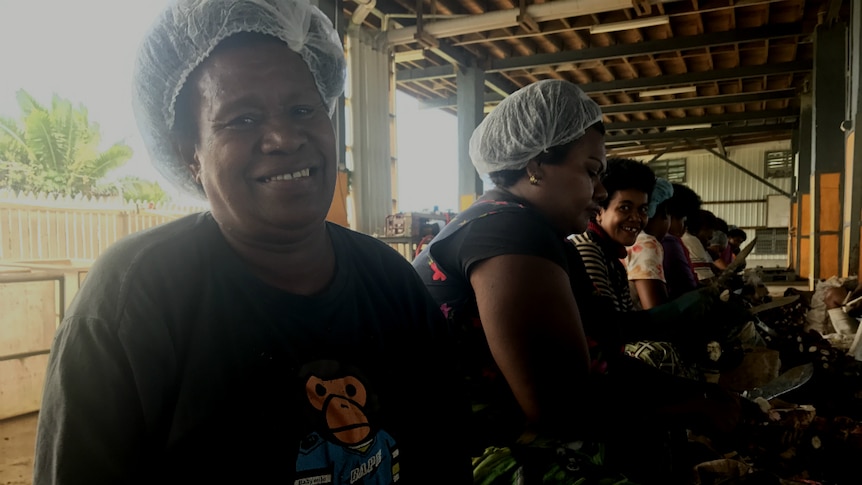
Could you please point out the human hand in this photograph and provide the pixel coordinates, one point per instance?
(685, 308)
(700, 301)
(722, 410)
(708, 409)
(834, 297)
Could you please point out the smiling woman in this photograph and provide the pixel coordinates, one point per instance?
(259, 119)
(256, 342)
(623, 215)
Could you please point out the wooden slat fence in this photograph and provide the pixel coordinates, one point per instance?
(37, 227)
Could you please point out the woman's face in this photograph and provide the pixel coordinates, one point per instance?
(735, 241)
(705, 235)
(625, 216)
(658, 226)
(265, 147)
(677, 226)
(569, 192)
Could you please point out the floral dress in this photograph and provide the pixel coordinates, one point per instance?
(644, 261)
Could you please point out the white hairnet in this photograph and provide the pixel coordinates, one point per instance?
(662, 191)
(538, 116)
(187, 31)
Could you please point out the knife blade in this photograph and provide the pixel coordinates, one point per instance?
(785, 382)
(734, 265)
(775, 303)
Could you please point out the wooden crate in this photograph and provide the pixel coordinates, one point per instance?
(33, 303)
(74, 271)
(17, 442)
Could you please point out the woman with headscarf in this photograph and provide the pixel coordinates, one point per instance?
(544, 360)
(256, 342)
(645, 258)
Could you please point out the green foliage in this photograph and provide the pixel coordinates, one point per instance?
(55, 150)
(137, 189)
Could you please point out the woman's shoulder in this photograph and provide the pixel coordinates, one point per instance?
(491, 228)
(172, 242)
(646, 242)
(345, 239)
(586, 243)
(367, 251)
(500, 217)
(162, 256)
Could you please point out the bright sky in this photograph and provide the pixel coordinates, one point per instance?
(84, 50)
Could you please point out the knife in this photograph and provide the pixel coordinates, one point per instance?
(775, 303)
(734, 265)
(787, 381)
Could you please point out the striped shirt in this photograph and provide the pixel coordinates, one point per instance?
(605, 269)
(701, 261)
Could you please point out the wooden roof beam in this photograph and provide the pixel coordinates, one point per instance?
(625, 50)
(702, 133)
(778, 114)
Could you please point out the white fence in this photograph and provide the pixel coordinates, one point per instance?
(43, 227)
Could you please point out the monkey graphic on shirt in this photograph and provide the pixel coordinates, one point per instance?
(346, 447)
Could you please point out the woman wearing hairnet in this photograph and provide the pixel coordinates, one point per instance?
(255, 343)
(545, 364)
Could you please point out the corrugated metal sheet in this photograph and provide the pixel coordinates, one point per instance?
(729, 192)
(740, 214)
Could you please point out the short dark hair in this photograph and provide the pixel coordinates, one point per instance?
(684, 202)
(552, 156)
(660, 210)
(721, 225)
(626, 174)
(737, 232)
(700, 220)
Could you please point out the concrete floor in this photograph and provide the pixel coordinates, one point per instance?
(17, 442)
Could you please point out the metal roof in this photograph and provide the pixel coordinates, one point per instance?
(739, 67)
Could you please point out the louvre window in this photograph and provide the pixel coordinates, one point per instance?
(779, 164)
(771, 241)
(672, 170)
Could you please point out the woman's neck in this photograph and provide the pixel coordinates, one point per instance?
(303, 266)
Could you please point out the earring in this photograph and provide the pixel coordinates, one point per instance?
(534, 180)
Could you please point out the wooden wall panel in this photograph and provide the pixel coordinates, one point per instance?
(338, 207)
(21, 382)
(29, 316)
(830, 203)
(805, 205)
(17, 442)
(795, 234)
(804, 257)
(830, 259)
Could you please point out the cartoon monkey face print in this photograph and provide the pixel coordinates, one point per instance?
(342, 403)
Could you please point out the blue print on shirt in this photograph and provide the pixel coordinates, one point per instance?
(349, 450)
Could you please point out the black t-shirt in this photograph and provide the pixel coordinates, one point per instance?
(175, 364)
(497, 224)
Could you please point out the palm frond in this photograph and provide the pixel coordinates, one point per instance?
(40, 137)
(112, 158)
(11, 131)
(28, 103)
